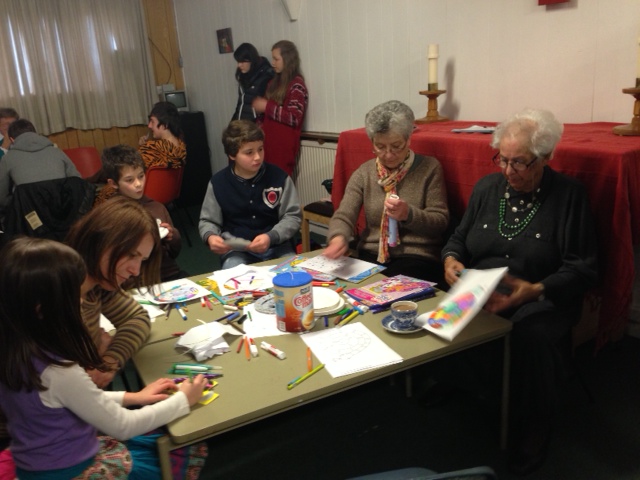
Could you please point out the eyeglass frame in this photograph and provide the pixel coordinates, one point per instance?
(390, 149)
(497, 160)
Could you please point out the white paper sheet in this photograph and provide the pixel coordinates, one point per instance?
(343, 267)
(261, 324)
(463, 301)
(182, 290)
(204, 341)
(243, 278)
(350, 349)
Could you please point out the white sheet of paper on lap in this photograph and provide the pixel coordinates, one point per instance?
(349, 349)
(463, 301)
(105, 324)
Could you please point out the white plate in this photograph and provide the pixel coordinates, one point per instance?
(326, 301)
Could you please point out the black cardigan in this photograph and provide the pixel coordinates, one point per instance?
(558, 247)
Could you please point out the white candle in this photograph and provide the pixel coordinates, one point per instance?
(432, 56)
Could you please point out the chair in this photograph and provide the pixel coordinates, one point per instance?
(317, 212)
(163, 185)
(86, 159)
(47, 209)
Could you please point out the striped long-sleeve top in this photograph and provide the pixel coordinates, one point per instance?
(130, 319)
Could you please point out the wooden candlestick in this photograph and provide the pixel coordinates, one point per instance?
(432, 107)
(632, 128)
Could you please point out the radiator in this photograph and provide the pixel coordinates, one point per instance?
(315, 164)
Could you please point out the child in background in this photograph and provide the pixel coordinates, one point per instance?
(284, 106)
(163, 146)
(251, 210)
(124, 171)
(253, 74)
(53, 407)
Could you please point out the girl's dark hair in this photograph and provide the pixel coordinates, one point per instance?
(238, 133)
(168, 116)
(246, 53)
(277, 88)
(40, 317)
(115, 228)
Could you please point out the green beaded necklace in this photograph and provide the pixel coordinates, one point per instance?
(507, 230)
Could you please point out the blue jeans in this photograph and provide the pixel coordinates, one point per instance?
(233, 259)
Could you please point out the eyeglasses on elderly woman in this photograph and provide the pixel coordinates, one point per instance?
(517, 164)
(393, 149)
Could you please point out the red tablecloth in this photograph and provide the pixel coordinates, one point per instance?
(608, 164)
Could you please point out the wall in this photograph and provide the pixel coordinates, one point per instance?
(496, 56)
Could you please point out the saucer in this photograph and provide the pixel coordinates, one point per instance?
(388, 323)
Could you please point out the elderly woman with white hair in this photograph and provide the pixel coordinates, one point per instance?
(536, 222)
(398, 187)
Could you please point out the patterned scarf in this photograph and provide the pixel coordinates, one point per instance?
(388, 180)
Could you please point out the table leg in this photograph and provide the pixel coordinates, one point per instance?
(408, 383)
(164, 448)
(504, 430)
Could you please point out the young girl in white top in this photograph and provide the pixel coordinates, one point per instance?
(54, 408)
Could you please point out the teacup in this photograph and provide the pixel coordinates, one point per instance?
(404, 313)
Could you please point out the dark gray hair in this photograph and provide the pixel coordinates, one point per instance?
(391, 116)
(540, 128)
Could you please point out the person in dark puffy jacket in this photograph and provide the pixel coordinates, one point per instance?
(253, 75)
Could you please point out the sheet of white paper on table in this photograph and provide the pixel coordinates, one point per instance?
(350, 349)
(174, 291)
(343, 267)
(261, 324)
(249, 277)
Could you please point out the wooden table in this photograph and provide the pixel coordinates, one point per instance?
(256, 389)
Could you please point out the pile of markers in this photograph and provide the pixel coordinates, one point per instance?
(348, 313)
(191, 369)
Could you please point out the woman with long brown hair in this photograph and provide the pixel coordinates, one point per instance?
(284, 106)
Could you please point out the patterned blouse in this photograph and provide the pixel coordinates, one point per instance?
(163, 153)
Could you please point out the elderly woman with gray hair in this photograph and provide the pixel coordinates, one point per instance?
(397, 188)
(537, 223)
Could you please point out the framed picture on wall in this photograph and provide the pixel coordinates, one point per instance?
(225, 40)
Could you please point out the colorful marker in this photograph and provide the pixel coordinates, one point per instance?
(219, 298)
(348, 319)
(180, 311)
(301, 379)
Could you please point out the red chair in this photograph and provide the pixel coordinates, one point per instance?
(86, 159)
(163, 185)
